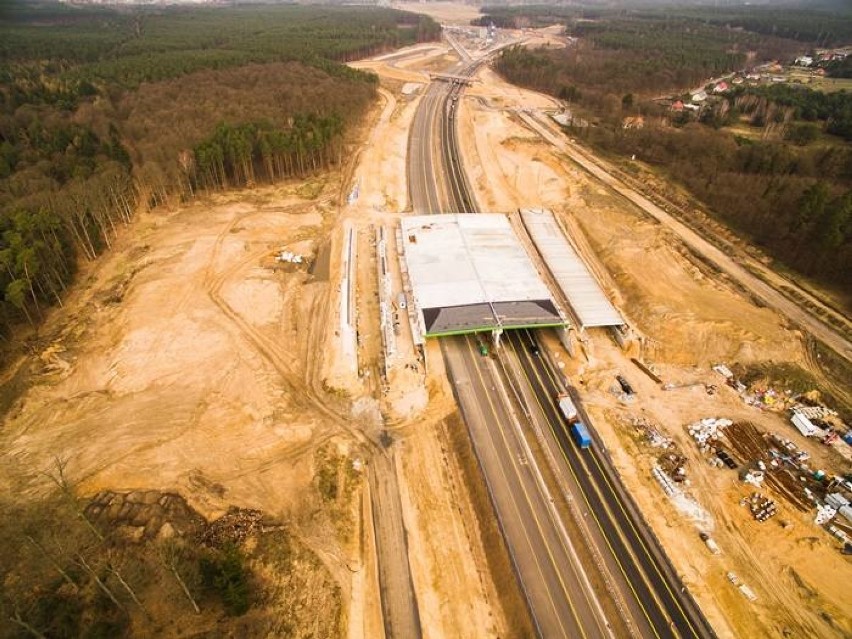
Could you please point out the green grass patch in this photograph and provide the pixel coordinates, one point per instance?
(311, 189)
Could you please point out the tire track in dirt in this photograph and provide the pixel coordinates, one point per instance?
(399, 605)
(840, 390)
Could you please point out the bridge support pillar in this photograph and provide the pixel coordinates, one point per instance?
(495, 337)
(564, 335)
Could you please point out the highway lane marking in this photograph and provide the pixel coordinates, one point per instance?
(648, 554)
(456, 179)
(564, 539)
(423, 128)
(429, 173)
(598, 491)
(514, 505)
(434, 147)
(522, 397)
(519, 516)
(454, 197)
(654, 564)
(425, 159)
(588, 504)
(467, 342)
(529, 502)
(644, 546)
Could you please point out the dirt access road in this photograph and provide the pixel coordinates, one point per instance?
(688, 318)
(183, 362)
(767, 292)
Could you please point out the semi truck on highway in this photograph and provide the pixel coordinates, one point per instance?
(581, 435)
(567, 408)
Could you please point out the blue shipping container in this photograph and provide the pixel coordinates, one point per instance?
(581, 435)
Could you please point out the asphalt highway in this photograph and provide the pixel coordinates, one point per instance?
(553, 582)
(654, 593)
(557, 590)
(560, 596)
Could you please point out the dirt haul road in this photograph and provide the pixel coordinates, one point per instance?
(688, 318)
(186, 361)
(598, 168)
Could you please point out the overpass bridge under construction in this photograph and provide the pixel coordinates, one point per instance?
(469, 273)
(455, 79)
(472, 273)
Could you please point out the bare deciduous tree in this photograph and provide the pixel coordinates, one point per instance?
(81, 561)
(16, 619)
(114, 572)
(170, 554)
(60, 478)
(52, 561)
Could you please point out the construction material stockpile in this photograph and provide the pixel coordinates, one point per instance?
(762, 508)
(707, 433)
(784, 466)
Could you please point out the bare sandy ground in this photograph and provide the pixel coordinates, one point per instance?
(184, 362)
(162, 389)
(444, 12)
(455, 595)
(689, 319)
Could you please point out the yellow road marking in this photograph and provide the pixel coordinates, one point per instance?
(588, 504)
(632, 525)
(467, 342)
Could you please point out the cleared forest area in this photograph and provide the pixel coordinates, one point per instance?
(770, 160)
(102, 110)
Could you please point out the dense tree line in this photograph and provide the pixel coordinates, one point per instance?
(599, 78)
(240, 155)
(64, 191)
(820, 26)
(817, 26)
(643, 57)
(168, 121)
(796, 203)
(101, 109)
(155, 43)
(790, 196)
